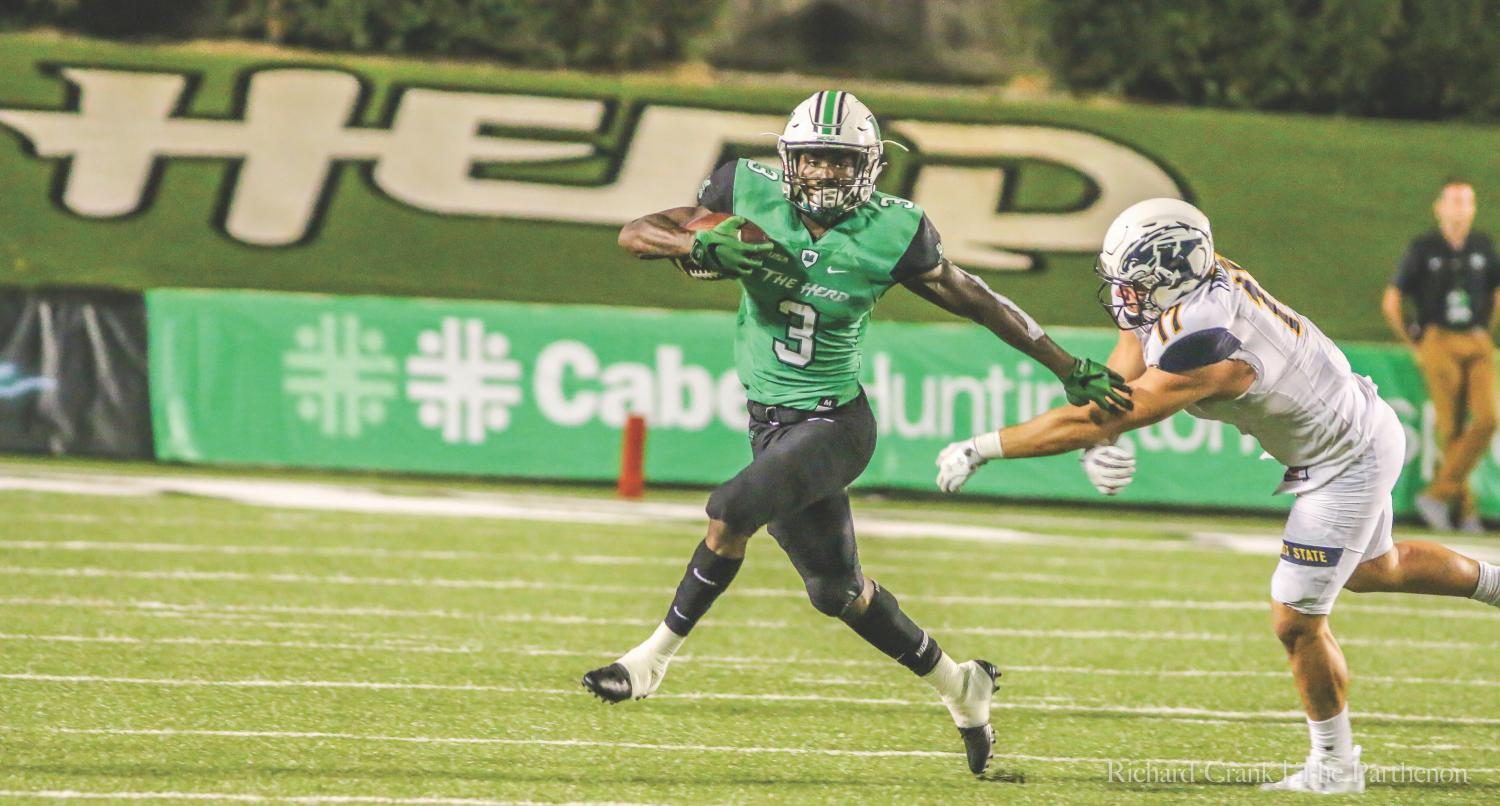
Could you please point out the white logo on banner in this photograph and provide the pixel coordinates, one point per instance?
(294, 130)
(463, 380)
(339, 375)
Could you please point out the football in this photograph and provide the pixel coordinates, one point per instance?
(749, 233)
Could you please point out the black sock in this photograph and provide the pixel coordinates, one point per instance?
(707, 576)
(894, 633)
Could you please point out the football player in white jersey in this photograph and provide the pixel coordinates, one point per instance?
(1200, 334)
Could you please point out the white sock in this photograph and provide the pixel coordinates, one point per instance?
(663, 643)
(946, 678)
(1332, 736)
(1488, 590)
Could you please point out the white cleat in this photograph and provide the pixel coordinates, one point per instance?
(971, 712)
(1325, 775)
(634, 676)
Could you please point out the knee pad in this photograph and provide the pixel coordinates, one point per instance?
(831, 595)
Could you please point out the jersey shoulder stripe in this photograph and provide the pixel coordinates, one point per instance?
(1199, 349)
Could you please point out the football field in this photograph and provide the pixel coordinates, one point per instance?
(175, 636)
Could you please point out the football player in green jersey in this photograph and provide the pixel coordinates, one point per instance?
(837, 246)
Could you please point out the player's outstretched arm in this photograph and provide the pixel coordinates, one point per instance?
(1158, 395)
(660, 235)
(961, 293)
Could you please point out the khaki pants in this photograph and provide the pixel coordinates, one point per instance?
(1459, 367)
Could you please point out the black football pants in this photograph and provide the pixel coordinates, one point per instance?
(796, 486)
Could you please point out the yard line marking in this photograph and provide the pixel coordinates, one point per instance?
(570, 620)
(89, 572)
(1118, 710)
(243, 797)
(154, 607)
(332, 497)
(319, 497)
(273, 520)
(397, 642)
(243, 642)
(675, 748)
(1134, 635)
(101, 546)
(496, 740)
(106, 546)
(310, 496)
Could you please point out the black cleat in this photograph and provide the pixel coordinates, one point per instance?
(979, 745)
(609, 683)
(979, 742)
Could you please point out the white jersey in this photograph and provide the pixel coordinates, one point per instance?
(1306, 407)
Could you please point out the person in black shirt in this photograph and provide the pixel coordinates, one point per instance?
(1449, 276)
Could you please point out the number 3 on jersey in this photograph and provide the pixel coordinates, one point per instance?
(802, 321)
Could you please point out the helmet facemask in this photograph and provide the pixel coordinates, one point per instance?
(828, 198)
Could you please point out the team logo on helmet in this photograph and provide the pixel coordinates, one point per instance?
(1155, 253)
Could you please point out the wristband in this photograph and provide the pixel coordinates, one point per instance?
(988, 445)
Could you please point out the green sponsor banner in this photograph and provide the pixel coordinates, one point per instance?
(510, 389)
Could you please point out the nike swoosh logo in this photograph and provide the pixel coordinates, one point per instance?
(832, 270)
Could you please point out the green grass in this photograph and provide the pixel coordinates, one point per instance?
(1319, 207)
(479, 629)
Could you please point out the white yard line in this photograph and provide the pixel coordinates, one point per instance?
(1116, 710)
(886, 562)
(245, 797)
(111, 546)
(390, 642)
(380, 646)
(327, 497)
(681, 748)
(572, 620)
(1476, 612)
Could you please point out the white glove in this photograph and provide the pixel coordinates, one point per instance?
(956, 463)
(1109, 467)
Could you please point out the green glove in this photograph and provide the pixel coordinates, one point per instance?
(1092, 382)
(721, 249)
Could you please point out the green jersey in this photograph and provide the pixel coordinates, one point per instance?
(802, 319)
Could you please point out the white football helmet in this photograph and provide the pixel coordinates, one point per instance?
(838, 121)
(1155, 253)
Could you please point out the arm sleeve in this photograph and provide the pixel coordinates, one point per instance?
(924, 252)
(717, 193)
(1409, 270)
